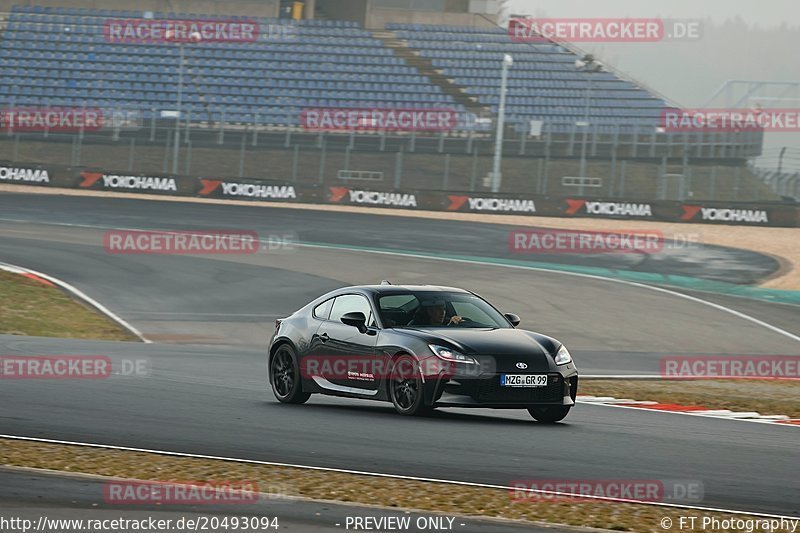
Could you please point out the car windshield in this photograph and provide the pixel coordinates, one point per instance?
(438, 309)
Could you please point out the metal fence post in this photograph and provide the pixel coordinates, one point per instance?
(540, 176)
(166, 152)
(653, 144)
(446, 171)
(398, 169)
(188, 157)
(242, 150)
(221, 137)
(323, 155)
(187, 129)
(10, 130)
(713, 186)
(78, 147)
(613, 170)
(295, 158)
(255, 130)
(131, 151)
(571, 149)
(115, 134)
(474, 174)
(152, 124)
(682, 189)
(622, 175)
(347, 157)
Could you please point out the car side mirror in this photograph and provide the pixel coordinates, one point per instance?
(356, 319)
(514, 319)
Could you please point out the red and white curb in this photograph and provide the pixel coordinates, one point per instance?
(55, 282)
(695, 410)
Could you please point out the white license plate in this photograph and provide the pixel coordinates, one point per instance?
(523, 380)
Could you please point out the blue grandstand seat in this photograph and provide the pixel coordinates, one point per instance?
(331, 63)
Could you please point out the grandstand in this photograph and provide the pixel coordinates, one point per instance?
(544, 83)
(240, 103)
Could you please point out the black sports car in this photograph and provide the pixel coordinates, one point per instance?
(419, 347)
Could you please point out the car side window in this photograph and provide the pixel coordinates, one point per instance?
(349, 303)
(323, 310)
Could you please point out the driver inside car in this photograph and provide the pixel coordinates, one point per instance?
(434, 313)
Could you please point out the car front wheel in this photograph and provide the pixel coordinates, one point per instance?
(550, 414)
(285, 377)
(405, 387)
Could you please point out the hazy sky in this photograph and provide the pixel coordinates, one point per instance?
(762, 12)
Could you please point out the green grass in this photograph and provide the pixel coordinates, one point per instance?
(29, 307)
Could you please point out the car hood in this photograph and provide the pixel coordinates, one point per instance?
(488, 341)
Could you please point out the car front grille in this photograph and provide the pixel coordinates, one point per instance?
(490, 391)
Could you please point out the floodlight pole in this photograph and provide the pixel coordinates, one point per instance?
(585, 136)
(497, 175)
(179, 103)
(589, 65)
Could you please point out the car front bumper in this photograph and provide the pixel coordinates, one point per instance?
(486, 391)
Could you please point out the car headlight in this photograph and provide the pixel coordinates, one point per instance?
(449, 354)
(562, 356)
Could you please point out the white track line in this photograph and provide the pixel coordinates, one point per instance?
(720, 414)
(657, 377)
(391, 476)
(80, 294)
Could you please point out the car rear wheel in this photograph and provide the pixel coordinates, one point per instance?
(550, 414)
(405, 387)
(285, 377)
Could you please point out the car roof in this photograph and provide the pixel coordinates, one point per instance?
(394, 289)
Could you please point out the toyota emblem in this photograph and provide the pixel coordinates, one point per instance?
(521, 365)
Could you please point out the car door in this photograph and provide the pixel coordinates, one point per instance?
(347, 355)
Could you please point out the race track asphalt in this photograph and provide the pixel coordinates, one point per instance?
(210, 318)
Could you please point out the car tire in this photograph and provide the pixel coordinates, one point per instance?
(406, 387)
(284, 376)
(549, 414)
